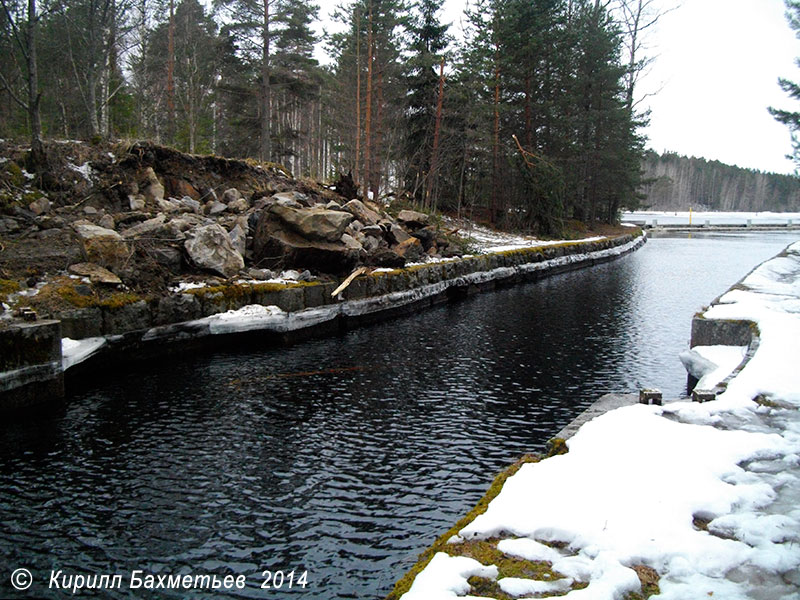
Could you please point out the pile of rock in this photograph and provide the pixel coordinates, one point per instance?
(155, 216)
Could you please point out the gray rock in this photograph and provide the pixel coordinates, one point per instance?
(289, 197)
(151, 228)
(426, 235)
(39, 206)
(260, 274)
(137, 202)
(333, 205)
(185, 222)
(103, 246)
(397, 234)
(168, 257)
(361, 212)
(153, 189)
(48, 222)
(375, 231)
(412, 218)
(89, 210)
(95, 273)
(274, 246)
(290, 274)
(176, 308)
(169, 205)
(238, 237)
(108, 222)
(231, 195)
(215, 208)
(411, 249)
(190, 204)
(239, 205)
(130, 317)
(387, 258)
(305, 276)
(211, 249)
(351, 243)
(371, 244)
(282, 199)
(313, 223)
(8, 225)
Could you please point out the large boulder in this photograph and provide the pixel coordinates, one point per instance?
(211, 249)
(275, 246)
(361, 212)
(412, 219)
(238, 236)
(315, 224)
(101, 246)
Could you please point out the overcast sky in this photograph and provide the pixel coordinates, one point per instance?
(715, 72)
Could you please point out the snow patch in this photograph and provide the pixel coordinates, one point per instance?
(446, 577)
(85, 170)
(74, 352)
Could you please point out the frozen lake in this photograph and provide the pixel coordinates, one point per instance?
(328, 456)
(711, 218)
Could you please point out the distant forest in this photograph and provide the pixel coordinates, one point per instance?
(673, 182)
(528, 121)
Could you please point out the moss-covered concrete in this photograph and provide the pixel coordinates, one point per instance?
(124, 313)
(142, 327)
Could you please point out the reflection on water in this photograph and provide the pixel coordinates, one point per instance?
(345, 456)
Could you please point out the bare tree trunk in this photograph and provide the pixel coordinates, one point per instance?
(433, 174)
(368, 116)
(105, 76)
(38, 157)
(375, 172)
(496, 148)
(266, 90)
(171, 74)
(358, 94)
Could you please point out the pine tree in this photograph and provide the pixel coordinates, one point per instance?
(791, 118)
(428, 41)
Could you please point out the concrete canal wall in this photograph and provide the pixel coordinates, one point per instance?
(270, 313)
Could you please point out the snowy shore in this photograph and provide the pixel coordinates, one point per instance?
(685, 500)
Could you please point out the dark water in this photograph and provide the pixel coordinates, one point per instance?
(342, 457)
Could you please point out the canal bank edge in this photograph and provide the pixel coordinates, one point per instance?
(100, 336)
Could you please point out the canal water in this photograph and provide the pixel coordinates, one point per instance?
(344, 457)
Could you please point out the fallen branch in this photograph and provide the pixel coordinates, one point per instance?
(348, 281)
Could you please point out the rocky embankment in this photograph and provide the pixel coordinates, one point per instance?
(112, 225)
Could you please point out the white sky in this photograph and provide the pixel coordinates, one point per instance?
(716, 71)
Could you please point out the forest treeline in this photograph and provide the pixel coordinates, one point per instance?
(527, 122)
(674, 182)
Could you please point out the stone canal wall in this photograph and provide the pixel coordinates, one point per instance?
(283, 313)
(30, 364)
